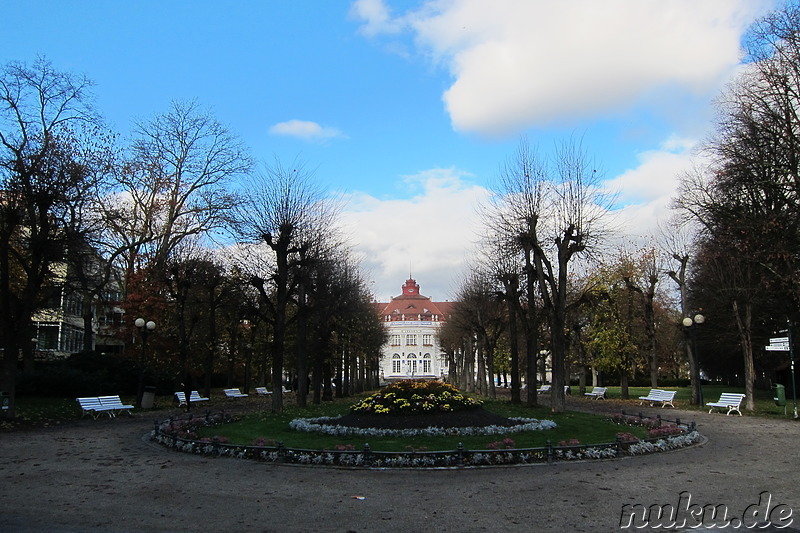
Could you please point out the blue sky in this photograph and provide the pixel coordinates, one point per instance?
(409, 108)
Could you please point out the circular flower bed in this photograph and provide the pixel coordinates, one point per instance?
(415, 396)
(332, 426)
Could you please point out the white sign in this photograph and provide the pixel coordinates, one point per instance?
(779, 340)
(777, 348)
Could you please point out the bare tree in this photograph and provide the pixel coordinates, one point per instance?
(641, 275)
(44, 118)
(176, 183)
(553, 209)
(678, 241)
(479, 312)
(284, 209)
(500, 262)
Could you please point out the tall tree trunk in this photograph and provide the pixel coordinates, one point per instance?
(744, 319)
(514, 348)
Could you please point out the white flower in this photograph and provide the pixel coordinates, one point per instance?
(328, 426)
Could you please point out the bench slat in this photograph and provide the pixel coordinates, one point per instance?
(727, 400)
(599, 393)
(94, 407)
(194, 396)
(665, 397)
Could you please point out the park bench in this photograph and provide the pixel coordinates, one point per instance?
(664, 397)
(728, 400)
(115, 403)
(92, 406)
(194, 396)
(548, 388)
(598, 393)
(234, 393)
(262, 391)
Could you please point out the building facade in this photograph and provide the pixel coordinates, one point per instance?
(412, 322)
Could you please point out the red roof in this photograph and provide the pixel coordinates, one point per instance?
(411, 305)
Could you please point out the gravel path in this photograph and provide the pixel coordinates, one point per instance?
(103, 476)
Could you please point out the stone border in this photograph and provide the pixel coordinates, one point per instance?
(168, 433)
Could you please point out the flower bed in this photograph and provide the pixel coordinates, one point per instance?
(414, 396)
(181, 435)
(328, 426)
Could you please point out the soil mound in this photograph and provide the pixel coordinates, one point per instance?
(477, 417)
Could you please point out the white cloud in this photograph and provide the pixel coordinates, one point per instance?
(427, 236)
(306, 130)
(646, 191)
(376, 16)
(519, 64)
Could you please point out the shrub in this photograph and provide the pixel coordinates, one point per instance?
(413, 397)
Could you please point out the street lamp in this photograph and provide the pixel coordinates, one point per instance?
(689, 324)
(145, 327)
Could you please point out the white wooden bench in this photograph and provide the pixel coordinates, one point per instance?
(194, 396)
(234, 393)
(598, 393)
(664, 397)
(549, 388)
(92, 406)
(262, 391)
(115, 404)
(728, 400)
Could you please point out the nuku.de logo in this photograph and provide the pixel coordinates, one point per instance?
(686, 514)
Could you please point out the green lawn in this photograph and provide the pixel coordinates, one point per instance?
(274, 428)
(586, 428)
(765, 406)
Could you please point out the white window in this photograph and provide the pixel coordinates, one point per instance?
(412, 364)
(395, 340)
(426, 363)
(395, 364)
(411, 340)
(427, 339)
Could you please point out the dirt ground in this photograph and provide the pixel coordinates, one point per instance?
(104, 476)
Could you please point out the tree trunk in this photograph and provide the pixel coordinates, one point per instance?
(514, 347)
(744, 326)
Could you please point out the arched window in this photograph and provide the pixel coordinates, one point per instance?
(426, 363)
(396, 364)
(412, 364)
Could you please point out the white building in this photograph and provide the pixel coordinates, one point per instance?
(412, 322)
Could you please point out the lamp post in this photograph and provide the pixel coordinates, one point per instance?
(690, 323)
(791, 369)
(145, 327)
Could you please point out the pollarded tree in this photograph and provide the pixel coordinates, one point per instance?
(515, 214)
(284, 212)
(500, 262)
(678, 241)
(641, 273)
(553, 208)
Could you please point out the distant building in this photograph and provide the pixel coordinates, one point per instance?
(58, 325)
(412, 322)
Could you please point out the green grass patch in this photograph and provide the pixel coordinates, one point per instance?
(274, 428)
(765, 406)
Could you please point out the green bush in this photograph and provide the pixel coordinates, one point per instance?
(412, 396)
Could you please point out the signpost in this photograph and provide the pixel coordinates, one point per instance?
(784, 344)
(778, 344)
